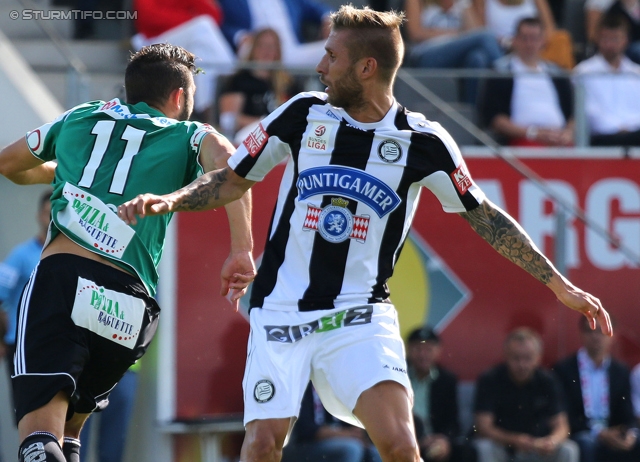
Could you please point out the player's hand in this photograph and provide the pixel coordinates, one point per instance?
(238, 271)
(588, 305)
(143, 205)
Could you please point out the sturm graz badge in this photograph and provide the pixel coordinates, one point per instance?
(335, 221)
(264, 391)
(389, 151)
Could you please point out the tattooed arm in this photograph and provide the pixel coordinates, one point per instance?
(210, 191)
(508, 238)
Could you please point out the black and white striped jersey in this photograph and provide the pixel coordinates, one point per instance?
(347, 199)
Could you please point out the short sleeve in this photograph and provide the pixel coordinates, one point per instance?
(198, 131)
(445, 172)
(42, 140)
(271, 141)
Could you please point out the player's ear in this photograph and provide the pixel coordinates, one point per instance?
(367, 67)
(175, 98)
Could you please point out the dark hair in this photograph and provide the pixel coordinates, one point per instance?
(613, 21)
(529, 21)
(375, 34)
(155, 71)
(524, 334)
(423, 334)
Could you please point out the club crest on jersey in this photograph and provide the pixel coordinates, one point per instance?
(348, 182)
(263, 391)
(318, 137)
(336, 223)
(389, 151)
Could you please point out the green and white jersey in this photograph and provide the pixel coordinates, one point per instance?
(108, 153)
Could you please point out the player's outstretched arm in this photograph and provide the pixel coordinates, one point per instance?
(18, 165)
(511, 241)
(239, 269)
(210, 191)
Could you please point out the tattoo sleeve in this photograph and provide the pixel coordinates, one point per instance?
(509, 240)
(203, 193)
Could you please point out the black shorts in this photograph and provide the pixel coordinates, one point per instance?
(81, 325)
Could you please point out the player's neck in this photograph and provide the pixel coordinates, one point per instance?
(375, 108)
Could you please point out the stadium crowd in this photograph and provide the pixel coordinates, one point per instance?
(443, 34)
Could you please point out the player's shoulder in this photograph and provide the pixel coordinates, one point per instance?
(420, 124)
(430, 131)
(306, 98)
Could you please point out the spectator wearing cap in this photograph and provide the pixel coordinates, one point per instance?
(435, 405)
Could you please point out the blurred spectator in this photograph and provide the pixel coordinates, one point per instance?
(635, 392)
(320, 437)
(113, 421)
(533, 107)
(502, 16)
(193, 25)
(435, 404)
(630, 10)
(286, 17)
(15, 271)
(519, 412)
(598, 394)
(446, 34)
(611, 87)
(251, 94)
(593, 11)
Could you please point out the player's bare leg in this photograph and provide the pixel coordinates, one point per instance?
(41, 431)
(385, 411)
(72, 429)
(264, 439)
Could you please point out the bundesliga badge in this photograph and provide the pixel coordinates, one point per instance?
(335, 223)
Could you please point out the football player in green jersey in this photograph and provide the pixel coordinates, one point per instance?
(88, 313)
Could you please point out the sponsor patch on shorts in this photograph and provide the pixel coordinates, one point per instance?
(291, 334)
(110, 314)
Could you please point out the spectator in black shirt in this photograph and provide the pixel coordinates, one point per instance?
(518, 408)
(435, 401)
(251, 94)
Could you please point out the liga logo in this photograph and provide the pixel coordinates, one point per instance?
(320, 137)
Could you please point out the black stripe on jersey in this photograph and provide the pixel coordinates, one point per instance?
(288, 126)
(265, 281)
(328, 260)
(395, 224)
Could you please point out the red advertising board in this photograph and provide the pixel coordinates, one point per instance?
(447, 276)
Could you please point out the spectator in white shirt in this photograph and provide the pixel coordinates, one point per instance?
(533, 106)
(611, 87)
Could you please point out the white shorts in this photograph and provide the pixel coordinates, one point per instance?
(344, 352)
